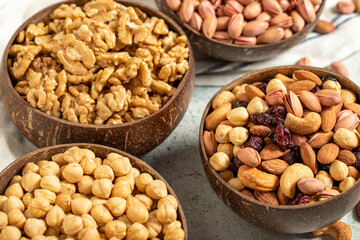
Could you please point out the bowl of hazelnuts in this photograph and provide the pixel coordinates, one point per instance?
(87, 191)
(280, 147)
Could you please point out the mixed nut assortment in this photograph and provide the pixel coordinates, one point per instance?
(102, 63)
(288, 140)
(77, 195)
(246, 22)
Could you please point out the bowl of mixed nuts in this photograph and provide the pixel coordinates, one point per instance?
(87, 191)
(244, 30)
(116, 73)
(280, 147)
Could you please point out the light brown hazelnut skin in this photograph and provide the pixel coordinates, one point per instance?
(51, 168)
(136, 210)
(44, 193)
(168, 199)
(168, 226)
(81, 206)
(3, 220)
(137, 231)
(175, 233)
(38, 207)
(30, 181)
(89, 234)
(121, 189)
(115, 229)
(72, 225)
(63, 201)
(73, 172)
(101, 215)
(13, 202)
(55, 216)
(30, 167)
(10, 233)
(34, 227)
(116, 205)
(26, 198)
(102, 187)
(156, 189)
(166, 213)
(153, 225)
(142, 181)
(104, 171)
(51, 183)
(88, 221)
(14, 189)
(127, 178)
(68, 188)
(147, 201)
(85, 184)
(16, 218)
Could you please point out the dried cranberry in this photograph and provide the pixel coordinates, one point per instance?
(237, 163)
(262, 86)
(300, 199)
(329, 77)
(239, 104)
(294, 155)
(324, 167)
(282, 137)
(315, 89)
(255, 142)
(277, 113)
(357, 162)
(261, 119)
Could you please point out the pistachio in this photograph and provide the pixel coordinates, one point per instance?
(242, 40)
(255, 28)
(274, 97)
(329, 97)
(357, 6)
(328, 193)
(196, 21)
(345, 7)
(288, 33)
(222, 23)
(272, 6)
(285, 5)
(350, 122)
(209, 26)
(311, 101)
(206, 9)
(310, 185)
(304, 61)
(186, 10)
(282, 20)
(306, 9)
(293, 104)
(236, 25)
(324, 27)
(232, 7)
(340, 68)
(271, 35)
(299, 22)
(264, 17)
(252, 10)
(174, 4)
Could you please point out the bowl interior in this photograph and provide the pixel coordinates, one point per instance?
(222, 187)
(101, 151)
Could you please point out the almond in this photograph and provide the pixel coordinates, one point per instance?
(210, 143)
(297, 139)
(310, 186)
(253, 91)
(271, 151)
(261, 131)
(336, 109)
(353, 107)
(346, 157)
(308, 156)
(353, 172)
(328, 120)
(306, 75)
(311, 101)
(266, 197)
(319, 139)
(299, 86)
(275, 166)
(324, 27)
(328, 153)
(249, 156)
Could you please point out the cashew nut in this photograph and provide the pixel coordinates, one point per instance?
(303, 126)
(338, 230)
(258, 180)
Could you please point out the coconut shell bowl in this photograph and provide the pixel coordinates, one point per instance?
(135, 137)
(233, 183)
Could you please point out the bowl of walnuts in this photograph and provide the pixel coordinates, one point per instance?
(244, 30)
(87, 191)
(110, 72)
(280, 147)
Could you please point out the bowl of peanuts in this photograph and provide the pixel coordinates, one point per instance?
(244, 30)
(116, 73)
(89, 192)
(280, 147)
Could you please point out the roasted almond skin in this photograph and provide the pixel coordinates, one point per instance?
(275, 166)
(319, 139)
(261, 131)
(308, 156)
(271, 151)
(346, 157)
(266, 197)
(328, 153)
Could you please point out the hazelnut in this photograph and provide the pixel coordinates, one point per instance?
(127, 178)
(348, 96)
(89, 234)
(116, 205)
(156, 189)
(63, 200)
(166, 213)
(67, 188)
(236, 183)
(88, 166)
(73, 172)
(101, 215)
(222, 133)
(338, 170)
(236, 148)
(26, 198)
(51, 183)
(42, 163)
(30, 167)
(102, 187)
(148, 202)
(119, 164)
(239, 135)
(34, 227)
(73, 154)
(257, 105)
(30, 181)
(98, 201)
(72, 225)
(81, 206)
(220, 161)
(50, 168)
(142, 181)
(10, 233)
(121, 189)
(236, 90)
(15, 179)
(226, 175)
(3, 200)
(59, 159)
(134, 172)
(3, 220)
(347, 183)
(174, 233)
(88, 221)
(238, 116)
(55, 216)
(125, 220)
(136, 210)
(222, 98)
(153, 225)
(137, 231)
(85, 184)
(13, 202)
(168, 199)
(104, 171)
(44, 193)
(226, 148)
(14, 189)
(39, 206)
(52, 232)
(16, 218)
(171, 225)
(78, 195)
(115, 229)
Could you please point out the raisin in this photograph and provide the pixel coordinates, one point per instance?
(282, 137)
(300, 199)
(357, 162)
(239, 104)
(324, 167)
(255, 142)
(315, 89)
(262, 86)
(329, 77)
(237, 163)
(293, 155)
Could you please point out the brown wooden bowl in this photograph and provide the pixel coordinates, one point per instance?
(239, 53)
(281, 218)
(16, 167)
(138, 137)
